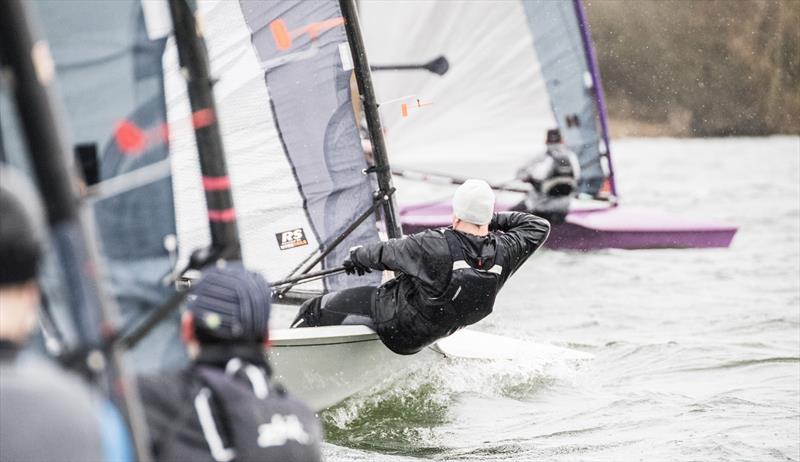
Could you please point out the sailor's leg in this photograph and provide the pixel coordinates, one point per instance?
(354, 304)
(349, 306)
(308, 315)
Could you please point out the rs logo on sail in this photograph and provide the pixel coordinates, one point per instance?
(291, 239)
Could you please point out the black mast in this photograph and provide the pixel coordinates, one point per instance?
(225, 243)
(194, 64)
(33, 71)
(364, 80)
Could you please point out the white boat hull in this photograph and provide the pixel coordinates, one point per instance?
(325, 365)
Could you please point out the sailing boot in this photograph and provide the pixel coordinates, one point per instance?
(309, 313)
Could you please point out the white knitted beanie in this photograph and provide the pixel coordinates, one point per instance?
(473, 202)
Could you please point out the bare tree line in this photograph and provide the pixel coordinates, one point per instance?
(701, 67)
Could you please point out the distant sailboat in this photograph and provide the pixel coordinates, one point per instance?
(517, 69)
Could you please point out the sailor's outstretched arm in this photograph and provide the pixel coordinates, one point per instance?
(413, 255)
(521, 233)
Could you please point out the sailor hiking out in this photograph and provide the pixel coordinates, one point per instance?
(554, 177)
(223, 407)
(448, 277)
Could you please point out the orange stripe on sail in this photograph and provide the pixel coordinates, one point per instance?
(280, 34)
(283, 37)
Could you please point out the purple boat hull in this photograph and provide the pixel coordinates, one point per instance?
(607, 228)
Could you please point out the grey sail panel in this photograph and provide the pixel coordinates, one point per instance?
(564, 65)
(111, 81)
(311, 103)
(292, 145)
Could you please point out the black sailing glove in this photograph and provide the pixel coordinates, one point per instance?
(351, 267)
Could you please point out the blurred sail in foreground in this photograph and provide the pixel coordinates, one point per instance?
(109, 74)
(291, 140)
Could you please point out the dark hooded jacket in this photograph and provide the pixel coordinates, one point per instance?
(239, 426)
(422, 304)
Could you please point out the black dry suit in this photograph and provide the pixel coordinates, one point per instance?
(447, 279)
(555, 174)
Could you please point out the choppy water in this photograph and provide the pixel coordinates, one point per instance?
(697, 351)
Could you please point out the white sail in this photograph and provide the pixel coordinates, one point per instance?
(517, 69)
(491, 104)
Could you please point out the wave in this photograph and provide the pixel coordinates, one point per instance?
(746, 363)
(403, 414)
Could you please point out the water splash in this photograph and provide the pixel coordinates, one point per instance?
(403, 414)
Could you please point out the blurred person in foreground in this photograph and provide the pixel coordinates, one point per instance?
(553, 177)
(46, 413)
(449, 277)
(224, 407)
